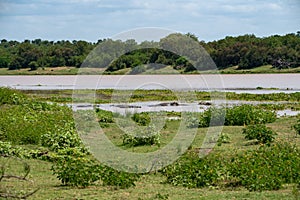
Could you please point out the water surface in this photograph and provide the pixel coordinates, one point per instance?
(239, 83)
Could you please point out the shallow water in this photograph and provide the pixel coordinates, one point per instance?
(233, 82)
(157, 106)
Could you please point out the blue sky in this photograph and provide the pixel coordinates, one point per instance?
(96, 19)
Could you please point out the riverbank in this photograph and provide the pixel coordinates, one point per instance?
(267, 69)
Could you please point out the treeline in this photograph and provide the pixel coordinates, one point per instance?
(246, 52)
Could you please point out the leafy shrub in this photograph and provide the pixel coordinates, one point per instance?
(267, 168)
(204, 119)
(223, 138)
(104, 116)
(297, 127)
(248, 114)
(142, 136)
(260, 132)
(24, 124)
(235, 116)
(195, 172)
(193, 121)
(10, 96)
(62, 137)
(9, 150)
(21, 125)
(82, 171)
(6, 149)
(120, 179)
(76, 171)
(142, 119)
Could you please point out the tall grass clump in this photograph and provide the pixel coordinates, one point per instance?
(24, 120)
(235, 116)
(265, 168)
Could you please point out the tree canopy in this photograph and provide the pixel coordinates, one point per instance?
(246, 52)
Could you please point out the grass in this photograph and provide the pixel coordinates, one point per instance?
(165, 70)
(152, 186)
(149, 186)
(52, 71)
(266, 69)
(281, 100)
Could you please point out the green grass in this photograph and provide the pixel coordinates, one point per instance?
(149, 186)
(282, 100)
(266, 69)
(152, 186)
(52, 71)
(165, 70)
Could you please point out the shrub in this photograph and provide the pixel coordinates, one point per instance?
(193, 121)
(10, 96)
(79, 171)
(142, 119)
(248, 114)
(142, 136)
(119, 179)
(267, 168)
(104, 116)
(223, 138)
(260, 132)
(24, 124)
(6, 149)
(297, 127)
(62, 137)
(82, 171)
(235, 116)
(195, 172)
(204, 119)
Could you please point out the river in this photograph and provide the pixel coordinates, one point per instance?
(239, 83)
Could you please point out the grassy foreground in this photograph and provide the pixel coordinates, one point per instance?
(153, 186)
(48, 135)
(149, 187)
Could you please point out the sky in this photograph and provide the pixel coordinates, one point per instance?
(97, 19)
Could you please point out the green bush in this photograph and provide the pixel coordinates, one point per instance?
(142, 136)
(259, 132)
(119, 179)
(7, 149)
(235, 116)
(193, 121)
(141, 119)
(223, 138)
(82, 171)
(24, 121)
(104, 116)
(10, 96)
(297, 127)
(76, 171)
(267, 168)
(248, 114)
(62, 137)
(195, 172)
(204, 119)
(24, 124)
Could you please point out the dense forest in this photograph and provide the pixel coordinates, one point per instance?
(246, 52)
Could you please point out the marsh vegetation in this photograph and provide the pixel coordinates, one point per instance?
(256, 152)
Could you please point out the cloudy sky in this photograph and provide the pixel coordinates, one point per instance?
(96, 19)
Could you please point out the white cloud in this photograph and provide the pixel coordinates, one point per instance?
(91, 19)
